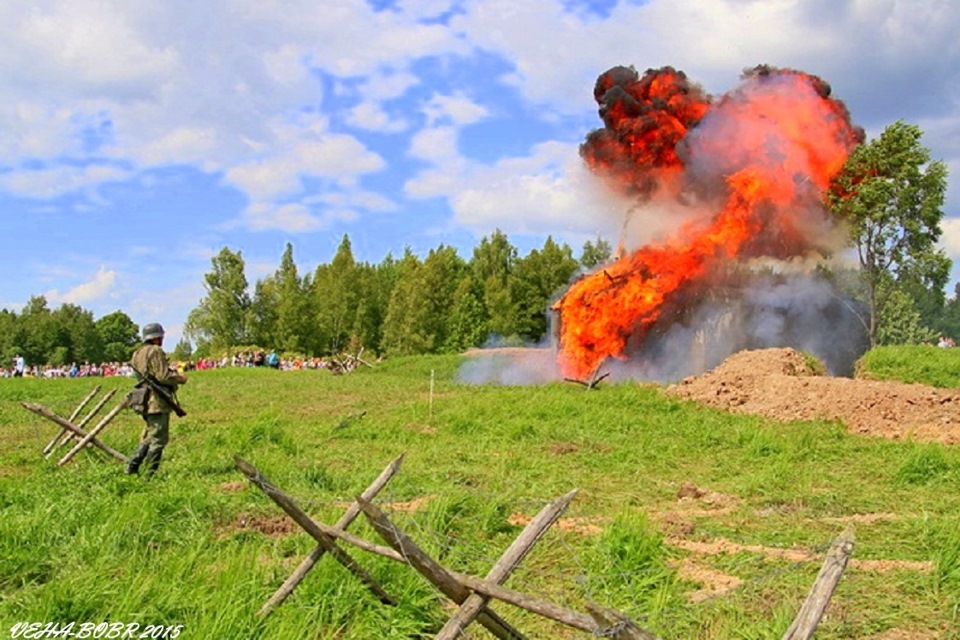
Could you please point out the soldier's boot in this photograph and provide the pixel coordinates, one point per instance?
(153, 463)
(133, 465)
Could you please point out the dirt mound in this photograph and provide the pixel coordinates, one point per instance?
(782, 384)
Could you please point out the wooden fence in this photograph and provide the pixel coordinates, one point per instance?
(473, 595)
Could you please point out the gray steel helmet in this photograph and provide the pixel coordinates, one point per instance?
(152, 330)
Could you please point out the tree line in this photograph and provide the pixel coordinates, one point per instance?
(65, 335)
(399, 306)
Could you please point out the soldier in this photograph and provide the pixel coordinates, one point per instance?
(150, 360)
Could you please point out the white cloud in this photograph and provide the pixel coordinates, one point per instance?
(547, 192)
(293, 217)
(102, 285)
(49, 183)
(366, 200)
(182, 86)
(950, 240)
(456, 109)
(308, 153)
(180, 145)
(389, 86)
(76, 45)
(372, 117)
(436, 145)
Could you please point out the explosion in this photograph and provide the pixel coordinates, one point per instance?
(751, 167)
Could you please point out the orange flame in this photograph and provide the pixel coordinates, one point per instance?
(759, 158)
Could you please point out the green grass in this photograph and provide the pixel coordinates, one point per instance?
(199, 546)
(923, 364)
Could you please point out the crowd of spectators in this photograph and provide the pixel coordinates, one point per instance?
(257, 359)
(72, 370)
(240, 359)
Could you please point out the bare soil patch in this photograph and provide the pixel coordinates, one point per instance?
(267, 525)
(587, 526)
(235, 486)
(780, 384)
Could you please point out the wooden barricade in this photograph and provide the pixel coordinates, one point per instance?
(473, 595)
(70, 430)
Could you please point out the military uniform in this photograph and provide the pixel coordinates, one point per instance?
(150, 360)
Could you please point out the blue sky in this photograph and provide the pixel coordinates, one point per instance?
(139, 138)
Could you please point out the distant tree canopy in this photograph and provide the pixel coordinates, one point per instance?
(442, 302)
(65, 335)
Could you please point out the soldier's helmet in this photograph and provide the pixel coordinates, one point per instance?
(152, 330)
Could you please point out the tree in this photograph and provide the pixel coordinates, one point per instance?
(182, 352)
(901, 322)
(119, 336)
(81, 338)
(372, 300)
(262, 314)
(400, 335)
(491, 265)
(220, 319)
(891, 195)
(468, 319)
(335, 299)
(442, 272)
(534, 284)
(595, 253)
(948, 322)
(41, 332)
(293, 309)
(10, 337)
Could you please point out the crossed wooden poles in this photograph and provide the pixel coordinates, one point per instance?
(471, 593)
(70, 431)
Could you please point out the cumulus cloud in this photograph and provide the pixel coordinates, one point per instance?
(293, 217)
(950, 240)
(181, 89)
(372, 117)
(309, 151)
(52, 182)
(548, 191)
(102, 285)
(457, 109)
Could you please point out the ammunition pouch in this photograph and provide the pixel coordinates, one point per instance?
(138, 399)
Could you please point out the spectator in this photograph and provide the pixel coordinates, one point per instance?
(19, 365)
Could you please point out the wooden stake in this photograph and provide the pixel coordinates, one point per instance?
(805, 624)
(72, 417)
(430, 412)
(50, 415)
(475, 603)
(66, 435)
(85, 440)
(433, 571)
(351, 514)
(302, 519)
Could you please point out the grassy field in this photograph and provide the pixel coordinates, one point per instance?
(924, 364)
(199, 546)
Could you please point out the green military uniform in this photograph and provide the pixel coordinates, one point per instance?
(151, 360)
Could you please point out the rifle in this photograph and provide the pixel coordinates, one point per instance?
(161, 391)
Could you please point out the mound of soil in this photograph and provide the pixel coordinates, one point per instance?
(781, 384)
